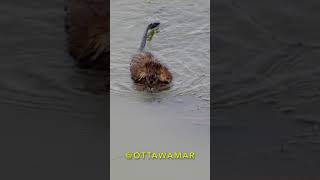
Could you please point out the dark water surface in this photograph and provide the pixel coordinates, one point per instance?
(266, 88)
(53, 118)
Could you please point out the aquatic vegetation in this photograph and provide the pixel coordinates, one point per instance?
(151, 33)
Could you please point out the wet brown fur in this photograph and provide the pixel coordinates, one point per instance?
(144, 64)
(87, 26)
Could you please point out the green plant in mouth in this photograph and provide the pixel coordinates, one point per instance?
(151, 33)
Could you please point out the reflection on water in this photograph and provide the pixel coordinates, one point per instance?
(172, 120)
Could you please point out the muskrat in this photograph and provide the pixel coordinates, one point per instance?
(87, 27)
(146, 70)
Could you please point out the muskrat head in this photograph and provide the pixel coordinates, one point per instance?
(157, 76)
(152, 80)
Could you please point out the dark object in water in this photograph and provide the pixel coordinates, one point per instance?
(147, 71)
(87, 27)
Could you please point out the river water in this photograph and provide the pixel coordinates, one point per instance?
(172, 120)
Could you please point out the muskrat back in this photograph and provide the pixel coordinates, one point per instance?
(146, 70)
(87, 27)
